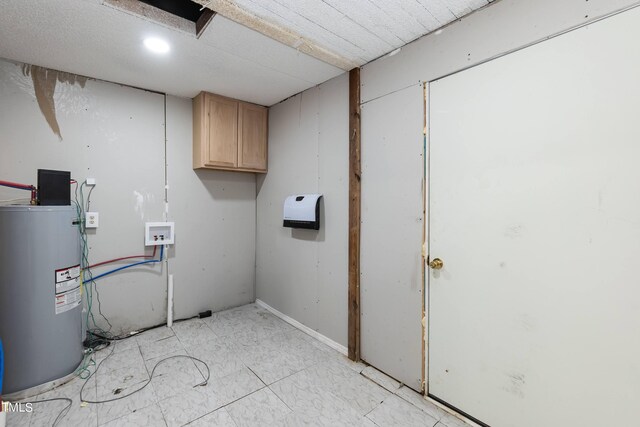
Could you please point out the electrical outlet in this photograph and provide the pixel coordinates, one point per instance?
(92, 220)
(91, 181)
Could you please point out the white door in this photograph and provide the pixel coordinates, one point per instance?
(391, 285)
(534, 320)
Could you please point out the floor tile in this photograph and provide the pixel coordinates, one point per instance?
(173, 374)
(243, 340)
(151, 416)
(227, 322)
(262, 408)
(45, 413)
(332, 372)
(313, 402)
(296, 419)
(194, 332)
(249, 346)
(276, 366)
(154, 335)
(279, 355)
(361, 393)
(398, 412)
(113, 360)
(449, 420)
(247, 319)
(115, 347)
(303, 346)
(218, 418)
(220, 359)
(150, 364)
(162, 347)
(262, 372)
(419, 401)
(133, 402)
(236, 385)
(341, 359)
(18, 419)
(190, 405)
(380, 378)
(115, 381)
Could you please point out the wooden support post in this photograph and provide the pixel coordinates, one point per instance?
(354, 214)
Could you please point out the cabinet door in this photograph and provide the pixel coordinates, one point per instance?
(252, 138)
(222, 137)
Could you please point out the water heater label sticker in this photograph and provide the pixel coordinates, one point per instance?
(68, 294)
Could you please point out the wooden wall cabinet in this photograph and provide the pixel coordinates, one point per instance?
(229, 134)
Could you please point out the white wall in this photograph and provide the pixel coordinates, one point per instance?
(494, 30)
(391, 232)
(116, 134)
(213, 261)
(303, 273)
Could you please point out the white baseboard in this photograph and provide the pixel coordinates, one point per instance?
(307, 330)
(451, 411)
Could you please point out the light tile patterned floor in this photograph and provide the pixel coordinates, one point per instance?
(263, 372)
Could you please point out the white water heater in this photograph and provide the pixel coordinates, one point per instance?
(40, 298)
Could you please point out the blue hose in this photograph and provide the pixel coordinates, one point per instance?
(106, 273)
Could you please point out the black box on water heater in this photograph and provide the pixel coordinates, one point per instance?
(54, 187)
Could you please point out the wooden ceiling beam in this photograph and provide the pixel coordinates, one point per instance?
(232, 11)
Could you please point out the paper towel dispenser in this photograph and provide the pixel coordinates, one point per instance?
(302, 211)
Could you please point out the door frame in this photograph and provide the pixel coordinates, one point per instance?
(425, 239)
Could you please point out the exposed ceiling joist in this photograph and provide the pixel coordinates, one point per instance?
(232, 11)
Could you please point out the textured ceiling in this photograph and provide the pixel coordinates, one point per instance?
(97, 40)
(359, 30)
(88, 38)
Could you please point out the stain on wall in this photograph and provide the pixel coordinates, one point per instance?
(44, 85)
(515, 384)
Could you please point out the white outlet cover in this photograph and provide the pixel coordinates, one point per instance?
(92, 219)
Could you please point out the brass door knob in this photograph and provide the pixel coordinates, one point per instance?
(436, 264)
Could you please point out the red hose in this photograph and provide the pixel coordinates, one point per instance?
(16, 185)
(34, 192)
(126, 257)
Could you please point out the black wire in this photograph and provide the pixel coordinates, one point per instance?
(95, 343)
(95, 287)
(109, 337)
(85, 255)
(137, 332)
(62, 413)
(203, 383)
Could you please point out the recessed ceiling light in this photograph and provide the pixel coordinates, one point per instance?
(156, 45)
